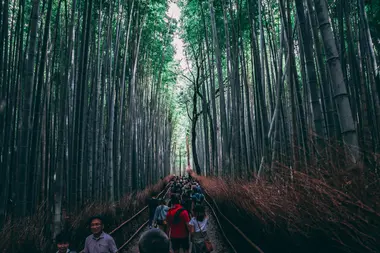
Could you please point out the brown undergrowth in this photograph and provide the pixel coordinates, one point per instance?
(33, 234)
(318, 210)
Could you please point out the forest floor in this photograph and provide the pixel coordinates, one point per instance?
(220, 246)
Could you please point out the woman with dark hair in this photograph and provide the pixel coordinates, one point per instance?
(198, 229)
(63, 243)
(154, 241)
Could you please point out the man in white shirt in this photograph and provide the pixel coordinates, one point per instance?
(99, 241)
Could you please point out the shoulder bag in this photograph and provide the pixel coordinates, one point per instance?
(207, 242)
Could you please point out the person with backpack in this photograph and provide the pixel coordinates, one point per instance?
(186, 201)
(160, 216)
(198, 230)
(197, 198)
(178, 219)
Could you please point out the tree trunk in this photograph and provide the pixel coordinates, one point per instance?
(347, 125)
(223, 117)
(26, 126)
(310, 70)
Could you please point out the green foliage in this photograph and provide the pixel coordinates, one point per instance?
(373, 13)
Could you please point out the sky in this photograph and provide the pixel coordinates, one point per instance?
(180, 130)
(175, 12)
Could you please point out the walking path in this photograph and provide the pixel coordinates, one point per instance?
(213, 232)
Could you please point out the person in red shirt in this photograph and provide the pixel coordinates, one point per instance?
(178, 220)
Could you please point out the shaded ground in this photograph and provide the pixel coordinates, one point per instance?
(220, 246)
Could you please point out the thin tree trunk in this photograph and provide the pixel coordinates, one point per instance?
(347, 125)
(223, 116)
(26, 126)
(310, 70)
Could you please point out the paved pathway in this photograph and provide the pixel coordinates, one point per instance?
(213, 231)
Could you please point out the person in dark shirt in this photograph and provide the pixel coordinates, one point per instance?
(154, 241)
(186, 201)
(152, 205)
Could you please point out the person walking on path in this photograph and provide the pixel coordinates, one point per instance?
(178, 219)
(99, 241)
(160, 216)
(198, 229)
(152, 204)
(197, 198)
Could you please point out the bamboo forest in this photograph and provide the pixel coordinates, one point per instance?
(270, 109)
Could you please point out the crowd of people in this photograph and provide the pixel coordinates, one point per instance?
(183, 219)
(172, 225)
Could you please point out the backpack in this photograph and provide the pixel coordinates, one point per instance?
(176, 218)
(198, 197)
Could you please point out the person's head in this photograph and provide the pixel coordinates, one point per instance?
(96, 225)
(175, 199)
(200, 212)
(154, 241)
(63, 242)
(162, 201)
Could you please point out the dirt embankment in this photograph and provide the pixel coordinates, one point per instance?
(33, 234)
(314, 212)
